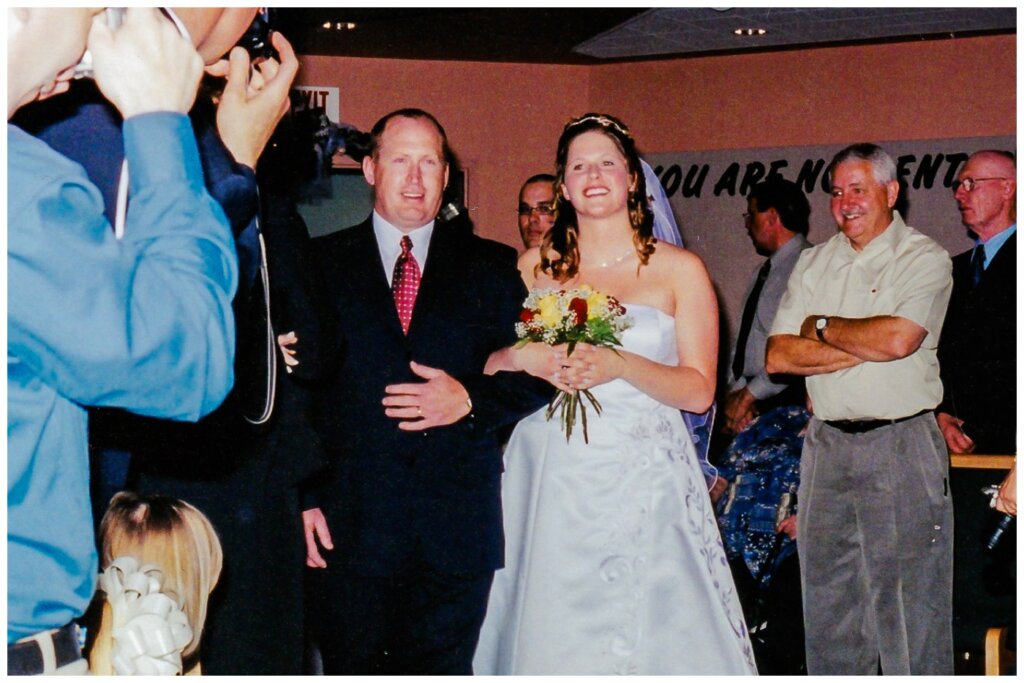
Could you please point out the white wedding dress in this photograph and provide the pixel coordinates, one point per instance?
(613, 559)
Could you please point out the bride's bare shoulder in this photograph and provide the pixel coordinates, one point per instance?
(682, 262)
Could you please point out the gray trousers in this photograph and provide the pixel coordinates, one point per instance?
(875, 528)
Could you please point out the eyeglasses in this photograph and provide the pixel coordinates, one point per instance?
(541, 209)
(970, 183)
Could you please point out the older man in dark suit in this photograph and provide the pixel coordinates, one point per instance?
(977, 351)
(978, 413)
(409, 521)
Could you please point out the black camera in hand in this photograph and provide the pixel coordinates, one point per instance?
(1004, 523)
(256, 40)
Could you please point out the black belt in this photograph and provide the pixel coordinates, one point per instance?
(861, 426)
(25, 658)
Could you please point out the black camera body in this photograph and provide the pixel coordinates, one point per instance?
(256, 40)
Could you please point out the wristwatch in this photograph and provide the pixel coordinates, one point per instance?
(819, 327)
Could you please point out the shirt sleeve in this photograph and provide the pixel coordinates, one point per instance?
(923, 290)
(143, 323)
(793, 306)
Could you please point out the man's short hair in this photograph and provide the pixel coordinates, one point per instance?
(787, 199)
(408, 113)
(541, 178)
(881, 163)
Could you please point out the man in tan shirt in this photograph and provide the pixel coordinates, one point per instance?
(861, 318)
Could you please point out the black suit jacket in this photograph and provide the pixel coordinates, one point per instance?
(977, 351)
(433, 494)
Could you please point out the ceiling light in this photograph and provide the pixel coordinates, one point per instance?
(339, 25)
(750, 31)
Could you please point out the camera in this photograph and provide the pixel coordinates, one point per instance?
(114, 17)
(256, 40)
(1002, 524)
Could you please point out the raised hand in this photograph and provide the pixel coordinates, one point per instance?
(146, 65)
(254, 99)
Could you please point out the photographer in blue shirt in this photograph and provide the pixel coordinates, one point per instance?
(142, 323)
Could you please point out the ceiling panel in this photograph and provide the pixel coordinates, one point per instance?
(593, 36)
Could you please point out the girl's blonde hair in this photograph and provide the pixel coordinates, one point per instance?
(174, 536)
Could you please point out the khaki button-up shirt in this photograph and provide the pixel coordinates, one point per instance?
(899, 273)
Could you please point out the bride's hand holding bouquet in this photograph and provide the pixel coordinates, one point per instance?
(570, 320)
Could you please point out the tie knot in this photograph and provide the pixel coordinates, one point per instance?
(406, 245)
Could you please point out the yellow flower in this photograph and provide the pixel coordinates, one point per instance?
(550, 313)
(596, 304)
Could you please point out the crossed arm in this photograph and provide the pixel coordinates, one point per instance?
(847, 342)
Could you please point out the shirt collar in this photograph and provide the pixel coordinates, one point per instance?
(995, 243)
(795, 243)
(389, 241)
(886, 240)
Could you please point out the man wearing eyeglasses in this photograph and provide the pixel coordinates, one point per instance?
(976, 351)
(978, 362)
(536, 208)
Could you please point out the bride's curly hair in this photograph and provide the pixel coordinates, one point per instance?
(563, 238)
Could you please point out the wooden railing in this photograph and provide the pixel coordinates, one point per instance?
(981, 462)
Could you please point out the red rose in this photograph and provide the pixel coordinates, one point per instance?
(526, 315)
(579, 307)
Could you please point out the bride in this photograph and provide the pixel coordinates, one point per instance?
(613, 560)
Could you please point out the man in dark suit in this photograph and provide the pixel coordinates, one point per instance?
(977, 350)
(409, 520)
(978, 413)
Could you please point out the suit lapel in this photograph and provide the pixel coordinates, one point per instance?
(1004, 262)
(440, 273)
(366, 276)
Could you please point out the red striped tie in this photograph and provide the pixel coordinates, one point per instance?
(405, 283)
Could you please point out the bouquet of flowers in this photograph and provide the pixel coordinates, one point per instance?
(569, 317)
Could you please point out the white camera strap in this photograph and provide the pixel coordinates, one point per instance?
(271, 388)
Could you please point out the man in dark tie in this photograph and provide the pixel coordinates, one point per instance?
(977, 350)
(777, 222)
(405, 532)
(762, 463)
(978, 413)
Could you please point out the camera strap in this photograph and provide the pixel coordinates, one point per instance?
(270, 389)
(121, 209)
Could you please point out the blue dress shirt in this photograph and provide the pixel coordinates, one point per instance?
(143, 324)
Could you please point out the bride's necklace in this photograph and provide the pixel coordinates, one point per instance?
(616, 261)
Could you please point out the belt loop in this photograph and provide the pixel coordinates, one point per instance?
(45, 642)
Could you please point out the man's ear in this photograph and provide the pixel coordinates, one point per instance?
(447, 168)
(1011, 188)
(368, 168)
(892, 192)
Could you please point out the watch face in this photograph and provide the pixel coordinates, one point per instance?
(820, 323)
